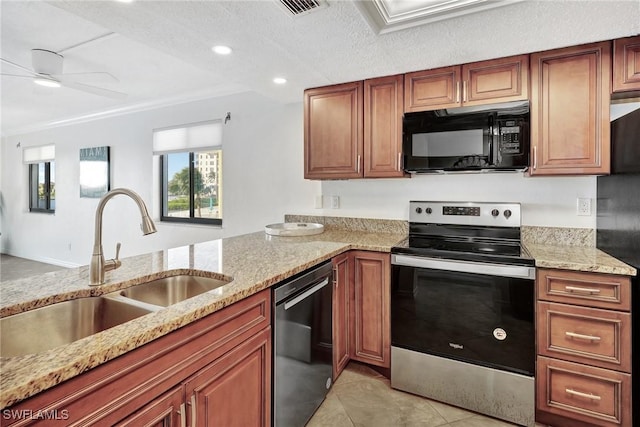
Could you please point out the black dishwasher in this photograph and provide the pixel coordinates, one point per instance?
(302, 349)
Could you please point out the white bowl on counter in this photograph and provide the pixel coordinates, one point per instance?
(294, 229)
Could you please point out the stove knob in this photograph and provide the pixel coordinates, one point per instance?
(418, 210)
(428, 210)
(507, 213)
(495, 213)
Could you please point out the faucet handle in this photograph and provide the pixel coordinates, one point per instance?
(112, 264)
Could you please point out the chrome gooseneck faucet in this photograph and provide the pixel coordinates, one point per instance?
(98, 263)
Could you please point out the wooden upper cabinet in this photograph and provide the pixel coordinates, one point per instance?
(498, 80)
(383, 106)
(626, 64)
(485, 82)
(570, 97)
(432, 89)
(333, 131)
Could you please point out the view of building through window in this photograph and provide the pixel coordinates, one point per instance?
(194, 192)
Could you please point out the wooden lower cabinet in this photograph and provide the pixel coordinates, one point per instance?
(341, 286)
(584, 361)
(234, 390)
(361, 309)
(370, 308)
(216, 369)
(582, 393)
(167, 410)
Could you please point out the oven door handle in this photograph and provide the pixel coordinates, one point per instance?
(305, 294)
(516, 271)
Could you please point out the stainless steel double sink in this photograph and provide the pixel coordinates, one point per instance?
(62, 323)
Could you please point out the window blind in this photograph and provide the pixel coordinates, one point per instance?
(193, 137)
(39, 154)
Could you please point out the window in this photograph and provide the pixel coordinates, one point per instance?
(42, 178)
(191, 172)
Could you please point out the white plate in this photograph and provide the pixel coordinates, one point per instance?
(294, 229)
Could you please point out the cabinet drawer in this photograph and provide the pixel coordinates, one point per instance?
(584, 393)
(596, 337)
(589, 289)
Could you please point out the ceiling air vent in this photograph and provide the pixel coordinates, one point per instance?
(301, 7)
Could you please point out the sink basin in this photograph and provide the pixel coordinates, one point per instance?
(170, 290)
(62, 323)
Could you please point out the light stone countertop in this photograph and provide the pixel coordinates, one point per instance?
(254, 261)
(579, 258)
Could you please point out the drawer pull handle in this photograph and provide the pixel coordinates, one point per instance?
(590, 396)
(582, 337)
(577, 289)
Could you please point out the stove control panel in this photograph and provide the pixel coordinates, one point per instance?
(461, 210)
(465, 213)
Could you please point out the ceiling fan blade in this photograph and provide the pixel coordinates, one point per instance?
(93, 89)
(6, 61)
(17, 75)
(88, 73)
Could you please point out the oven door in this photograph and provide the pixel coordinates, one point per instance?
(472, 312)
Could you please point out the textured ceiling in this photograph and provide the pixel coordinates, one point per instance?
(161, 50)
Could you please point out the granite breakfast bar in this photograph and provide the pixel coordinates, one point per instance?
(253, 262)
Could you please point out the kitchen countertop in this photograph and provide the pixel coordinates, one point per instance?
(579, 258)
(254, 262)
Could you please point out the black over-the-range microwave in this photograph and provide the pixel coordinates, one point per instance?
(479, 138)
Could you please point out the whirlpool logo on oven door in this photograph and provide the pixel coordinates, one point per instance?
(456, 346)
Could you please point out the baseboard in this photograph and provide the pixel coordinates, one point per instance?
(47, 260)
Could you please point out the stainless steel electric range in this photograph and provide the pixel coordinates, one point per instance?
(462, 309)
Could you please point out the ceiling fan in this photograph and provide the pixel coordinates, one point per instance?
(47, 70)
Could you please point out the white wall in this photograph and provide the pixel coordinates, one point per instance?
(263, 169)
(545, 201)
(262, 175)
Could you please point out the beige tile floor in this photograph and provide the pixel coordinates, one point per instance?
(12, 268)
(363, 397)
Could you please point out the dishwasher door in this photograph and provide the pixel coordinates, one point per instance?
(303, 346)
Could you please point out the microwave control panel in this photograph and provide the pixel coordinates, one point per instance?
(510, 137)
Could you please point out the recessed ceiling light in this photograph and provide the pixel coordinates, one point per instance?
(222, 50)
(125, 1)
(279, 80)
(46, 82)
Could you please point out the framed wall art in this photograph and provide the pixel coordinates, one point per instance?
(94, 172)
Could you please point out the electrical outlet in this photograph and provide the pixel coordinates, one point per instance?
(584, 206)
(335, 202)
(319, 202)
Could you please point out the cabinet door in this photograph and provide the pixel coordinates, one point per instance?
(333, 132)
(341, 270)
(370, 308)
(498, 80)
(167, 410)
(570, 96)
(626, 64)
(234, 390)
(383, 109)
(432, 89)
